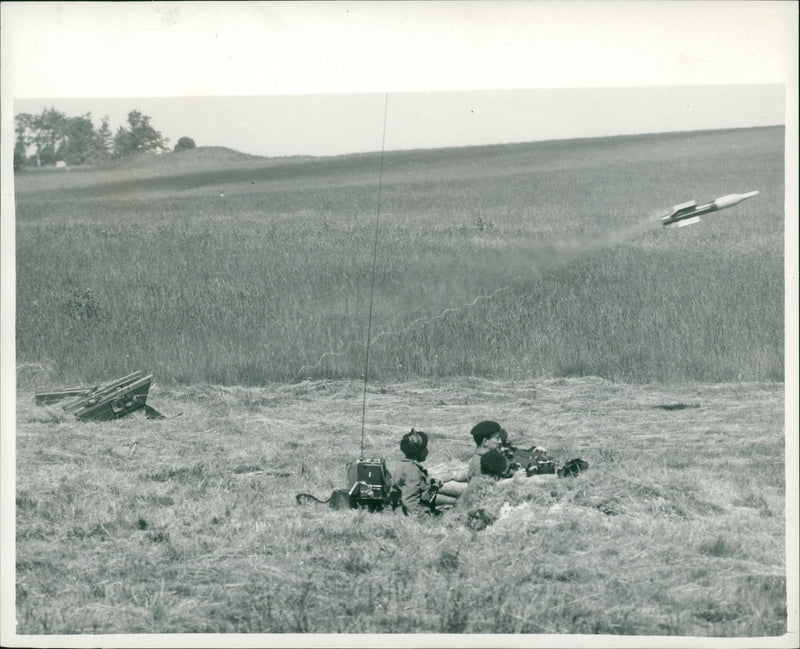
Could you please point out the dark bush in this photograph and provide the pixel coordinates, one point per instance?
(184, 144)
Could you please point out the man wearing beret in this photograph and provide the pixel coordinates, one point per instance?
(418, 492)
(488, 435)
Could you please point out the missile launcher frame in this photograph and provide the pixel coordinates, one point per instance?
(104, 401)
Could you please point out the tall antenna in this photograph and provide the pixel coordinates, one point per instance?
(372, 285)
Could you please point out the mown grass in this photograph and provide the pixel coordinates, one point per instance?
(190, 524)
(259, 270)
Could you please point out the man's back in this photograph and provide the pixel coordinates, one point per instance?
(411, 479)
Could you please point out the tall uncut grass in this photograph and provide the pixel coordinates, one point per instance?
(258, 270)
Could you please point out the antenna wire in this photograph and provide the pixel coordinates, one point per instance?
(372, 284)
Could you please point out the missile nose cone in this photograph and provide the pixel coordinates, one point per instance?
(731, 199)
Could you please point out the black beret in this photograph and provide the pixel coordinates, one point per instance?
(485, 430)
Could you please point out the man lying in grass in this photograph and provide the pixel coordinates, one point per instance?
(491, 438)
(495, 464)
(488, 435)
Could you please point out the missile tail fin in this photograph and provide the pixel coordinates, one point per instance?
(684, 222)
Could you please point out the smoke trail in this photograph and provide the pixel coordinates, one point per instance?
(562, 252)
(543, 257)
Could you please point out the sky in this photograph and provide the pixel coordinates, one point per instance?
(332, 124)
(294, 78)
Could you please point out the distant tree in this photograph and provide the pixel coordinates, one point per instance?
(184, 144)
(83, 144)
(52, 136)
(105, 135)
(49, 135)
(23, 128)
(46, 133)
(19, 158)
(139, 137)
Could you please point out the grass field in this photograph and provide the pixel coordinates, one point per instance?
(259, 270)
(243, 284)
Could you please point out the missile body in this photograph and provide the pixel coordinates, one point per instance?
(688, 213)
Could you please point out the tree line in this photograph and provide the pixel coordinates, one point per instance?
(52, 136)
